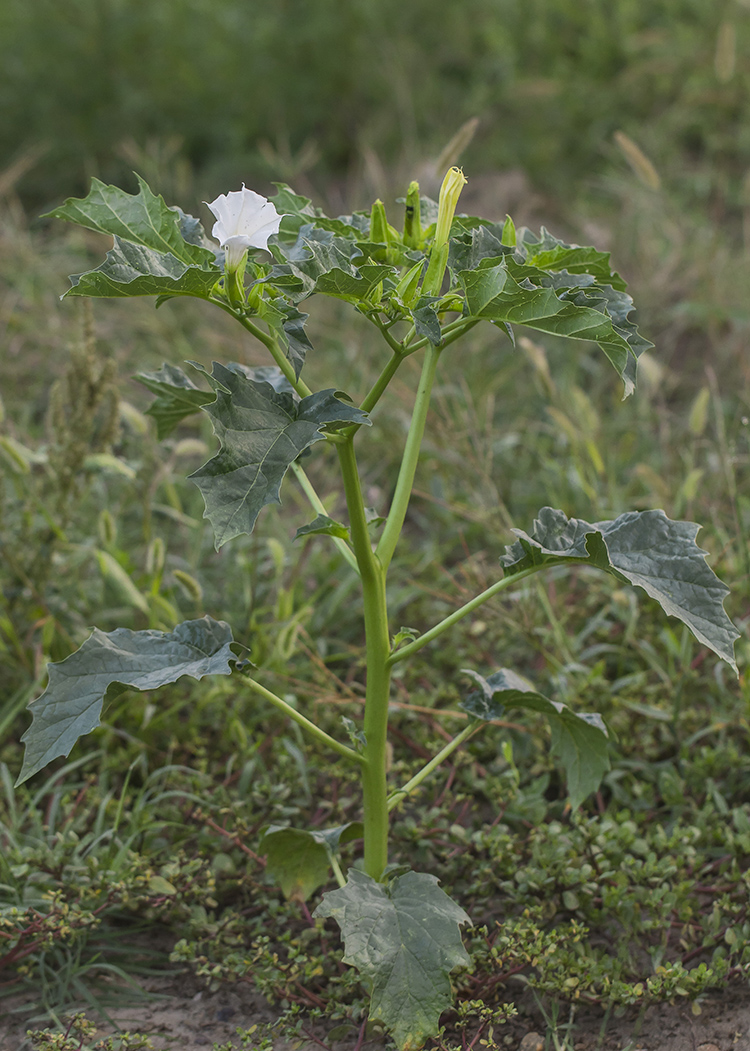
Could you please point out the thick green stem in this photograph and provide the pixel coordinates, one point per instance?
(395, 798)
(469, 607)
(304, 722)
(374, 770)
(319, 506)
(402, 495)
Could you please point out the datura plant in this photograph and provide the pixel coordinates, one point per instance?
(422, 288)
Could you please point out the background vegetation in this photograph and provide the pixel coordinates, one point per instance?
(643, 895)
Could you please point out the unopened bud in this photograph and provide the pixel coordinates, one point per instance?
(412, 218)
(450, 191)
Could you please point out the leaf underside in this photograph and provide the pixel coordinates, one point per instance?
(404, 939)
(176, 397)
(579, 739)
(140, 660)
(299, 859)
(644, 548)
(262, 432)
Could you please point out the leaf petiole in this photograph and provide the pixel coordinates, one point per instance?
(269, 341)
(303, 721)
(459, 614)
(396, 797)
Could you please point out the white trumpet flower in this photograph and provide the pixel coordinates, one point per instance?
(244, 219)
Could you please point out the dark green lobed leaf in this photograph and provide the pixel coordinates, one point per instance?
(140, 660)
(644, 548)
(549, 253)
(262, 432)
(404, 939)
(177, 397)
(132, 270)
(520, 294)
(319, 261)
(579, 739)
(142, 219)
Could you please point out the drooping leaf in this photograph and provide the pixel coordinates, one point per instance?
(142, 219)
(325, 525)
(519, 294)
(644, 548)
(579, 739)
(132, 270)
(300, 859)
(177, 397)
(404, 939)
(140, 660)
(262, 432)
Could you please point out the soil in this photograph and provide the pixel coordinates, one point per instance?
(182, 1014)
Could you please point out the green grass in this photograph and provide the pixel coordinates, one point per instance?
(157, 817)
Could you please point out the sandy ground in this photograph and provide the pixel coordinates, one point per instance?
(188, 1017)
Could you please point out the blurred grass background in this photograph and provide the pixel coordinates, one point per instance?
(222, 91)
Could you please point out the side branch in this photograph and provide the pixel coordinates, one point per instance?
(402, 495)
(318, 505)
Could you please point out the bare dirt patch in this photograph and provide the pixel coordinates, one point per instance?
(184, 1015)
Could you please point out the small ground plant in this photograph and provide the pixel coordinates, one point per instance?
(422, 287)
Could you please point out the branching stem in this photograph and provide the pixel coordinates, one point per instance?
(402, 494)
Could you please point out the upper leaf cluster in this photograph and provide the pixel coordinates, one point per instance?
(495, 273)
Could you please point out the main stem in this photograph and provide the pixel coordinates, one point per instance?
(378, 650)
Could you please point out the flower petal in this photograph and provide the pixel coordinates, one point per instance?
(244, 214)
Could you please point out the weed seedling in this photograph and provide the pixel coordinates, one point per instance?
(422, 288)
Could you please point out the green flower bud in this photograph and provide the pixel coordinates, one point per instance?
(413, 235)
(450, 191)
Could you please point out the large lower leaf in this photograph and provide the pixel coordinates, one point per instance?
(142, 219)
(141, 660)
(300, 859)
(644, 548)
(262, 432)
(404, 939)
(579, 739)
